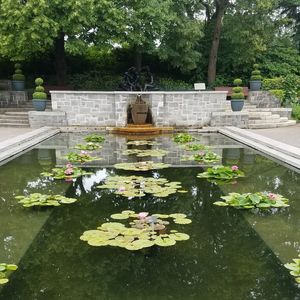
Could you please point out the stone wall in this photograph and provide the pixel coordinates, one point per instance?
(230, 118)
(39, 119)
(263, 99)
(186, 109)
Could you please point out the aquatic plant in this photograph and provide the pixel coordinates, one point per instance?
(182, 138)
(144, 153)
(195, 147)
(256, 200)
(67, 172)
(138, 186)
(4, 270)
(94, 138)
(222, 173)
(88, 146)
(294, 268)
(38, 199)
(81, 157)
(141, 166)
(142, 143)
(144, 231)
(203, 157)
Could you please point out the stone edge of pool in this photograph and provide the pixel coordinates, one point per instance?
(287, 154)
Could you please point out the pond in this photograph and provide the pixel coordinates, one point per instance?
(231, 254)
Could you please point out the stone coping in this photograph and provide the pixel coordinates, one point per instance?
(139, 93)
(287, 154)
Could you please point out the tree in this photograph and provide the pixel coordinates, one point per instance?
(38, 26)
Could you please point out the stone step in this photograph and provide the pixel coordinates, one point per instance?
(13, 120)
(16, 113)
(272, 125)
(12, 117)
(14, 125)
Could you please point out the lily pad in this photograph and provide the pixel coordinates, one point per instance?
(164, 242)
(178, 236)
(145, 153)
(94, 138)
(88, 146)
(4, 270)
(182, 221)
(141, 166)
(120, 216)
(142, 143)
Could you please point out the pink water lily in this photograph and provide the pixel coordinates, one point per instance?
(234, 168)
(143, 215)
(83, 152)
(121, 189)
(69, 171)
(69, 165)
(272, 196)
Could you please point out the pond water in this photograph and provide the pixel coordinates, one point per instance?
(231, 254)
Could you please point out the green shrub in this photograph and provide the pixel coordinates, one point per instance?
(278, 93)
(291, 89)
(237, 89)
(39, 93)
(238, 96)
(273, 83)
(256, 73)
(238, 82)
(168, 84)
(18, 76)
(296, 111)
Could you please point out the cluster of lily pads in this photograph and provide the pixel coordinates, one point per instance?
(37, 199)
(94, 138)
(138, 186)
(195, 147)
(4, 269)
(81, 157)
(144, 231)
(222, 173)
(88, 146)
(142, 143)
(203, 157)
(182, 138)
(145, 153)
(256, 200)
(141, 166)
(294, 268)
(67, 172)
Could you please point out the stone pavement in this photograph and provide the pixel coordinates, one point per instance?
(11, 132)
(288, 135)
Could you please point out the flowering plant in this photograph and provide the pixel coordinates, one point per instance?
(257, 200)
(223, 173)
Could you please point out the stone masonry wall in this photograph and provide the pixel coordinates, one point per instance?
(186, 109)
(263, 99)
(39, 119)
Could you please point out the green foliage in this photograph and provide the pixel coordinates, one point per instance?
(294, 268)
(237, 89)
(237, 82)
(138, 186)
(278, 93)
(88, 146)
(168, 84)
(296, 111)
(195, 147)
(4, 270)
(68, 172)
(291, 86)
(145, 153)
(38, 199)
(203, 157)
(39, 93)
(18, 76)
(182, 138)
(81, 157)
(256, 75)
(94, 138)
(141, 166)
(144, 231)
(257, 200)
(222, 173)
(237, 96)
(273, 83)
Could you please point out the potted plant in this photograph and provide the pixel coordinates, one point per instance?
(255, 80)
(18, 81)
(237, 97)
(39, 97)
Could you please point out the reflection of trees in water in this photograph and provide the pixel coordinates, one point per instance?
(224, 259)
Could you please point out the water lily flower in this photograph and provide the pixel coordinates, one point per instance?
(69, 165)
(121, 189)
(234, 168)
(83, 152)
(272, 196)
(143, 215)
(69, 171)
(201, 153)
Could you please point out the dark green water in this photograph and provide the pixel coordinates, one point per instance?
(231, 254)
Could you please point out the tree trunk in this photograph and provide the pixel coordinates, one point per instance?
(138, 59)
(213, 55)
(60, 59)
